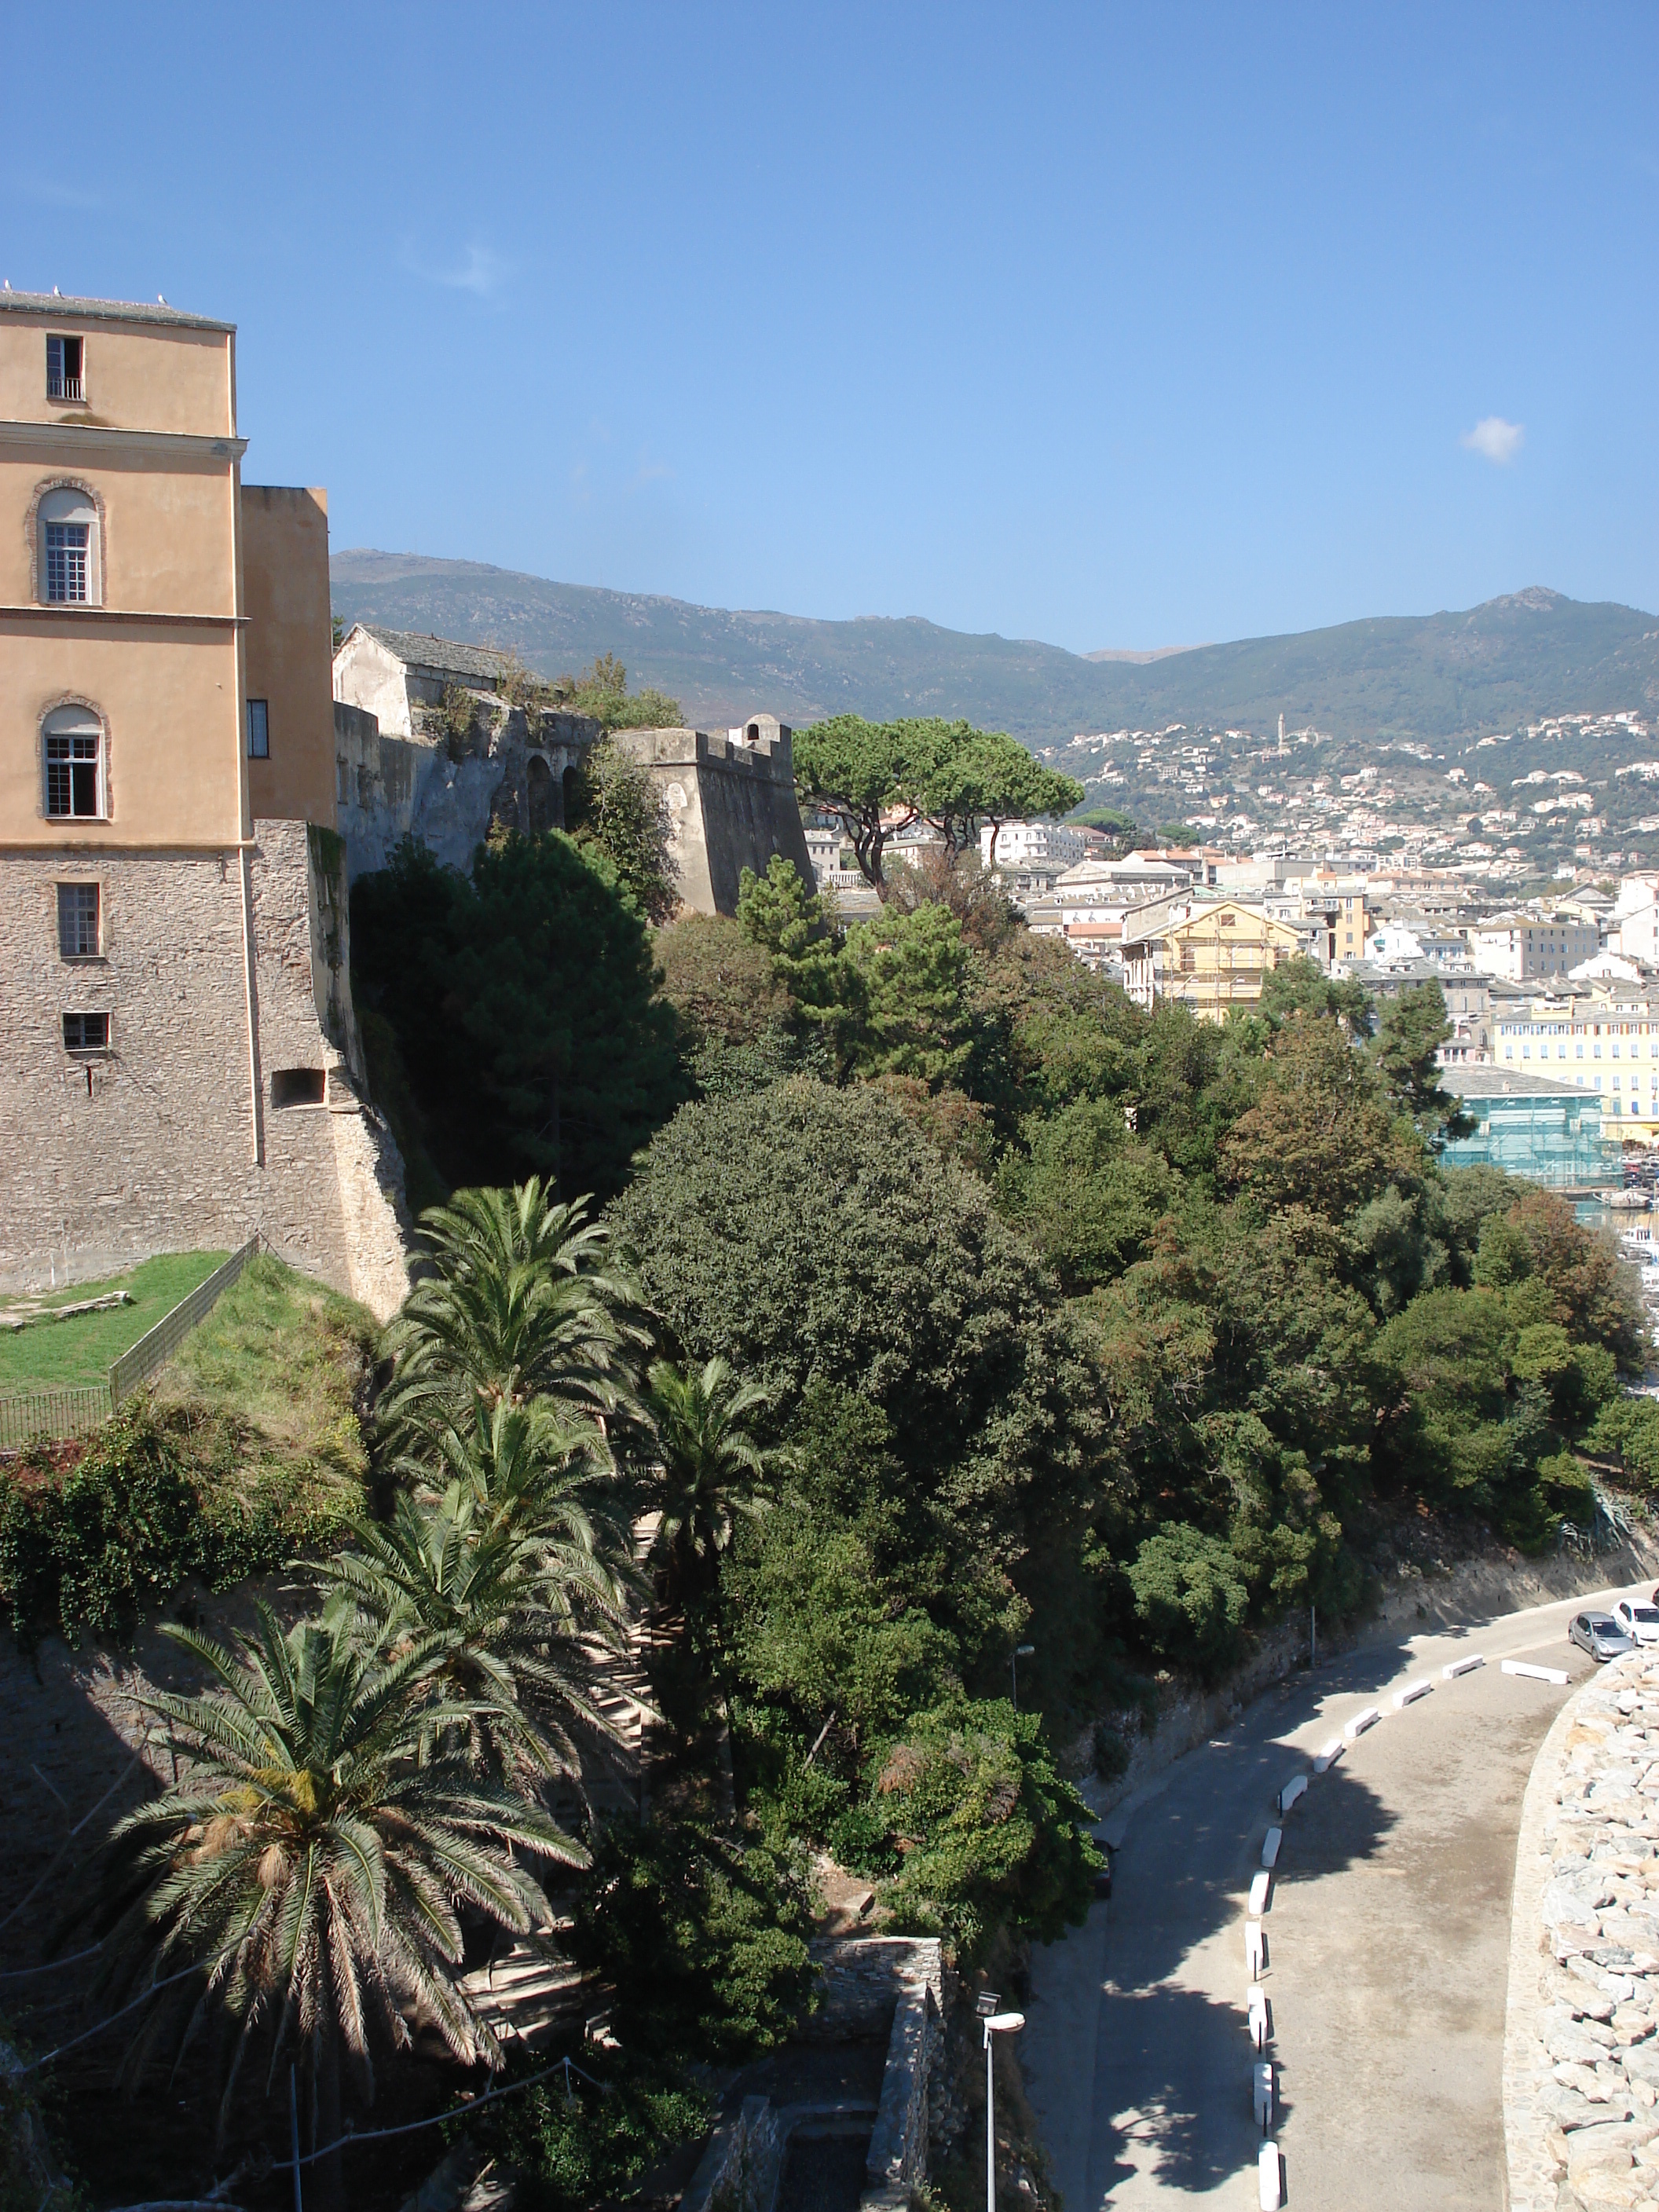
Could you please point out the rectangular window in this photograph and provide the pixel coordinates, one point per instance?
(72, 774)
(78, 920)
(85, 1032)
(67, 561)
(259, 729)
(65, 379)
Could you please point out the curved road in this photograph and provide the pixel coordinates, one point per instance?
(1387, 1946)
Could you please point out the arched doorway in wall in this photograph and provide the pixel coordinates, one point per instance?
(539, 778)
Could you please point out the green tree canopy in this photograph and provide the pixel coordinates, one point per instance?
(521, 1004)
(947, 773)
(601, 691)
(616, 809)
(814, 1236)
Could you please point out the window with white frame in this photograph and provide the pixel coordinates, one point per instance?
(66, 376)
(75, 781)
(68, 563)
(78, 934)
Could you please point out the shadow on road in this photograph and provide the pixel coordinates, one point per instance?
(1171, 2091)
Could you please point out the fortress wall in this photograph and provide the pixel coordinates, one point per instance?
(733, 806)
(167, 1141)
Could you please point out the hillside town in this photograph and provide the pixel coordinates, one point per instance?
(1559, 989)
(1557, 793)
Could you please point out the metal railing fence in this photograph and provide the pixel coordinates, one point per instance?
(157, 1345)
(51, 1415)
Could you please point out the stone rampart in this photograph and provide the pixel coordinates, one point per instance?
(448, 791)
(732, 803)
(1580, 2060)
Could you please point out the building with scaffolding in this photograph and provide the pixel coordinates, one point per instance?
(1534, 1126)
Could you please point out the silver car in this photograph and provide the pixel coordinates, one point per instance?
(1599, 1634)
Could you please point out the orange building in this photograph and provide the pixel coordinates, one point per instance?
(174, 1008)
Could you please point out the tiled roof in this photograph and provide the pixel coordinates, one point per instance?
(104, 311)
(416, 649)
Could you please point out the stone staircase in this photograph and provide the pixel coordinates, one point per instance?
(531, 1989)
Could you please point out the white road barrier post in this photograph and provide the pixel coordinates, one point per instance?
(1531, 1674)
(1269, 2191)
(1270, 1848)
(1260, 1884)
(1262, 2095)
(1256, 1948)
(1410, 1694)
(1361, 1721)
(1328, 1755)
(1454, 1667)
(1256, 2010)
(1290, 1792)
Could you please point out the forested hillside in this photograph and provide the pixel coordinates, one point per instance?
(1431, 676)
(824, 1315)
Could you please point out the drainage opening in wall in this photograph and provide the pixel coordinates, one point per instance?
(298, 1086)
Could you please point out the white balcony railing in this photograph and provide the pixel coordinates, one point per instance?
(66, 387)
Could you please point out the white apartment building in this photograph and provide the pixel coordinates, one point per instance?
(1417, 939)
(1521, 946)
(1634, 927)
(1033, 844)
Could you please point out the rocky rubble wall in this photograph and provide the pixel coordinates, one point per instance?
(1581, 2058)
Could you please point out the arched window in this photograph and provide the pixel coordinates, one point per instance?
(76, 785)
(69, 564)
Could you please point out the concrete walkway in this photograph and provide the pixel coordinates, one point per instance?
(1387, 1932)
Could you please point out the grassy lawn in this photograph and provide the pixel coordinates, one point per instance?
(64, 1355)
(280, 1358)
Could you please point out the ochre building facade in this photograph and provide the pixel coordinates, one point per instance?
(175, 1017)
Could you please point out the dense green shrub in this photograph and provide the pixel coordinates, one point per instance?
(569, 2151)
(702, 1939)
(97, 1549)
(967, 1814)
(1190, 1598)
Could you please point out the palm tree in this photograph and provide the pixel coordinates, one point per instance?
(710, 1468)
(548, 1482)
(518, 1639)
(525, 1301)
(311, 1862)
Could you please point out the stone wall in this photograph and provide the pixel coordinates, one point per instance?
(509, 768)
(732, 806)
(1581, 2060)
(211, 970)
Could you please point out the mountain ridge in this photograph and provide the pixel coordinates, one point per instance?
(1516, 658)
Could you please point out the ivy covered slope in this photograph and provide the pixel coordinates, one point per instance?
(248, 1450)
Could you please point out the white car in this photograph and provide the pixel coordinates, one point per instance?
(1640, 1622)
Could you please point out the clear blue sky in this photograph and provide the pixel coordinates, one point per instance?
(1115, 326)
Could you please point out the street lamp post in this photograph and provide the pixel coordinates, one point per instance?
(996, 2023)
(1021, 1651)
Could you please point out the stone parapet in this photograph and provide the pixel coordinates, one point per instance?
(1580, 2060)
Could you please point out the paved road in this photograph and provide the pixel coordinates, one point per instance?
(1387, 1949)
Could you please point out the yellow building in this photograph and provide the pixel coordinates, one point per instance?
(174, 1012)
(1605, 1039)
(1212, 955)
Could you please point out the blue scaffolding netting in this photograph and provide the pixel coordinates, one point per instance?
(1554, 1138)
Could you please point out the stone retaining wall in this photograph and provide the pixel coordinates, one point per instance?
(1580, 2062)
